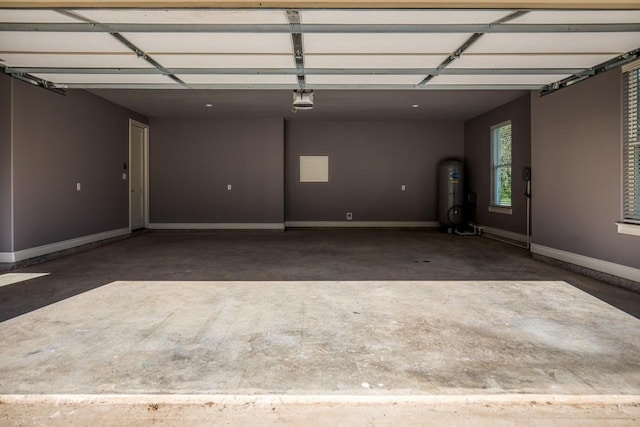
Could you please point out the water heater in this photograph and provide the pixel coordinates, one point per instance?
(450, 193)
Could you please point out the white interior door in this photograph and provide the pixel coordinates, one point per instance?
(137, 176)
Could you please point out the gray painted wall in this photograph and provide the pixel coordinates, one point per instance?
(5, 164)
(193, 161)
(59, 141)
(477, 154)
(576, 154)
(368, 163)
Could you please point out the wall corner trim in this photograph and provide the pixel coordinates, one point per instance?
(517, 237)
(607, 267)
(362, 224)
(217, 226)
(63, 245)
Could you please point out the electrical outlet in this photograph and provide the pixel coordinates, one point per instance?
(229, 187)
(124, 176)
(404, 187)
(349, 216)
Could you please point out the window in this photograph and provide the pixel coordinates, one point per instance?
(631, 145)
(501, 168)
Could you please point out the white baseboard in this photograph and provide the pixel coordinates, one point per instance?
(7, 257)
(60, 246)
(362, 224)
(217, 226)
(505, 234)
(607, 267)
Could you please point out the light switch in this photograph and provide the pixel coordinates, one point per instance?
(403, 187)
(77, 186)
(124, 176)
(229, 187)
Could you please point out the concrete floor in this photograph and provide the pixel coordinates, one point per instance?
(396, 315)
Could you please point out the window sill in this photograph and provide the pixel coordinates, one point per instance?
(505, 210)
(628, 228)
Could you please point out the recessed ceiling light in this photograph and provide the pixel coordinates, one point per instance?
(208, 105)
(415, 105)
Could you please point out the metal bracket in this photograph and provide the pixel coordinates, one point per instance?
(293, 16)
(36, 81)
(625, 58)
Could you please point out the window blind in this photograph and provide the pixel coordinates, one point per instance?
(631, 144)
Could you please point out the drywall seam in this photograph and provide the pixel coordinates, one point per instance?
(217, 226)
(505, 234)
(614, 269)
(360, 224)
(66, 244)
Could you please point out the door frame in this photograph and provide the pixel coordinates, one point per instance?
(145, 170)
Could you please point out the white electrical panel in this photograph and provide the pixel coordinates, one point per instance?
(314, 168)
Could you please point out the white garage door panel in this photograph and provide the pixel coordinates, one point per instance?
(186, 16)
(105, 78)
(373, 61)
(556, 43)
(212, 42)
(497, 80)
(34, 41)
(225, 61)
(402, 16)
(41, 16)
(363, 79)
(239, 79)
(129, 60)
(383, 43)
(529, 61)
(579, 17)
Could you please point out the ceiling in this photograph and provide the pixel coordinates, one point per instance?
(368, 63)
(329, 104)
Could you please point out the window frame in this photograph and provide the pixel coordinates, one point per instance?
(630, 224)
(493, 207)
